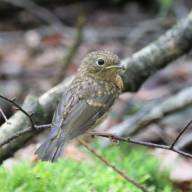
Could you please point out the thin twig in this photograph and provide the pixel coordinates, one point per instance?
(170, 147)
(19, 108)
(180, 134)
(106, 162)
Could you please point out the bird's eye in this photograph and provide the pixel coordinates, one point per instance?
(100, 62)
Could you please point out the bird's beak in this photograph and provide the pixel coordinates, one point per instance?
(115, 67)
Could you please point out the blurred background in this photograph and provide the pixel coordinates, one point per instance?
(37, 37)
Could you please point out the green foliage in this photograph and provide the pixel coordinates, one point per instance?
(89, 175)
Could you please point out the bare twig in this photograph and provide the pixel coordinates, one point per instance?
(170, 147)
(185, 142)
(180, 134)
(106, 162)
(19, 108)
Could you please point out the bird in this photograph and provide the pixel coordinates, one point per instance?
(85, 102)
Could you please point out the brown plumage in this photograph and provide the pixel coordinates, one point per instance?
(88, 98)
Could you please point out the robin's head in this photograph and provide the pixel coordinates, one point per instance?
(101, 64)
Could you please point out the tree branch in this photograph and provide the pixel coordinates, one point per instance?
(173, 44)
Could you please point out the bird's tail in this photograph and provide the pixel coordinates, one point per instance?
(51, 149)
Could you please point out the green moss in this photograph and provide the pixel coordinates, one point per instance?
(89, 175)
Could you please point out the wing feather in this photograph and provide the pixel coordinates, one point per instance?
(75, 115)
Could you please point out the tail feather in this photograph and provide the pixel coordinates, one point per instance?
(50, 150)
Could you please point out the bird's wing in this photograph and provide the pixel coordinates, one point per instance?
(75, 116)
(66, 102)
(83, 115)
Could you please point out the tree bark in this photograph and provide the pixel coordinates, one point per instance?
(170, 46)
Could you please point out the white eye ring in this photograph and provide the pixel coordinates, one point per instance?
(100, 62)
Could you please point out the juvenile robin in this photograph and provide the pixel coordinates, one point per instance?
(84, 103)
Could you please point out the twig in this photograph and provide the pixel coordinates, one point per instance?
(19, 108)
(180, 134)
(185, 142)
(71, 50)
(106, 162)
(170, 147)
